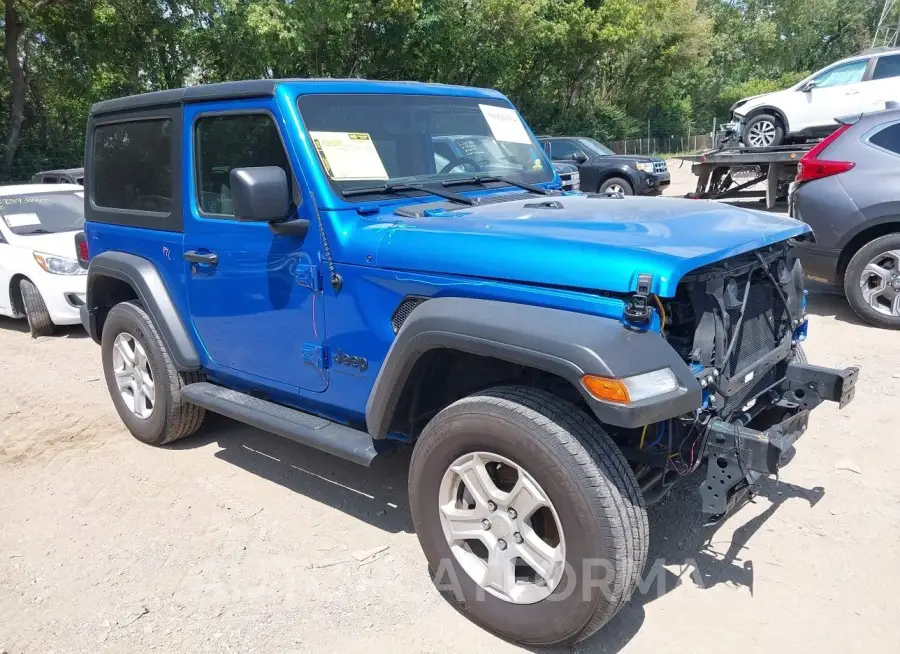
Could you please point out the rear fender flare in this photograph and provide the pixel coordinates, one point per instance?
(146, 282)
(567, 344)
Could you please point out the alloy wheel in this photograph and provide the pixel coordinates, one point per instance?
(502, 528)
(880, 283)
(761, 134)
(133, 375)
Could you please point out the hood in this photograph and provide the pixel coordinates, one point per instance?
(62, 244)
(587, 242)
(741, 107)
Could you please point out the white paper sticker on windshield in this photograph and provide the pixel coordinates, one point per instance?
(505, 124)
(22, 219)
(349, 155)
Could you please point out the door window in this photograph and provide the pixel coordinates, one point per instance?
(887, 67)
(564, 150)
(849, 73)
(228, 141)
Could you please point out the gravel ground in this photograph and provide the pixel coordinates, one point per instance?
(237, 541)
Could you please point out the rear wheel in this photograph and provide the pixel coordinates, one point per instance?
(531, 519)
(39, 321)
(872, 282)
(142, 380)
(616, 185)
(763, 131)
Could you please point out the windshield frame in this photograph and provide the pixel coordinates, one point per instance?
(40, 198)
(548, 175)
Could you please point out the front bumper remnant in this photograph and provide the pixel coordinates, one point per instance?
(737, 456)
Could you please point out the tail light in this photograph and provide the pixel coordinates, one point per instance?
(81, 249)
(811, 167)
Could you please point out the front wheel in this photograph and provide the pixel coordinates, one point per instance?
(616, 185)
(530, 518)
(763, 131)
(39, 321)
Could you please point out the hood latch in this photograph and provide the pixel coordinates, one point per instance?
(637, 309)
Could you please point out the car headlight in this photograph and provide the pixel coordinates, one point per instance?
(646, 167)
(629, 390)
(58, 265)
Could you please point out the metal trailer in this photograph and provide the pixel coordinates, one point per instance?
(715, 170)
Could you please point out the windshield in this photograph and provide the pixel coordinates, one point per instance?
(419, 139)
(595, 147)
(43, 213)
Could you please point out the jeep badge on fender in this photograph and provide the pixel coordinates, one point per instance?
(354, 362)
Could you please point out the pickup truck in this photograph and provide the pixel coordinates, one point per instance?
(304, 256)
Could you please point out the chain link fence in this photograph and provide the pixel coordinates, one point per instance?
(27, 163)
(662, 145)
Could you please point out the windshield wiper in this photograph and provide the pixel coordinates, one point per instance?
(37, 231)
(484, 179)
(404, 186)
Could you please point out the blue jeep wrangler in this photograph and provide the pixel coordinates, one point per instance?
(313, 258)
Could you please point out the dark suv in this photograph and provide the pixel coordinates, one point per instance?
(604, 171)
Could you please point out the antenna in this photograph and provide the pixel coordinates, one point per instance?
(888, 26)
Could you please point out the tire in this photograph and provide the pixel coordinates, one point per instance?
(763, 131)
(853, 275)
(800, 355)
(39, 322)
(171, 417)
(624, 184)
(586, 478)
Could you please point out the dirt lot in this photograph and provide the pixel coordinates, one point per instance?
(236, 540)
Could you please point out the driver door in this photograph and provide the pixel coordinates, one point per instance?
(838, 91)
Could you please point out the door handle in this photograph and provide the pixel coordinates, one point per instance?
(209, 258)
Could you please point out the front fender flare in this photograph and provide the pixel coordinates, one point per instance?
(563, 343)
(144, 278)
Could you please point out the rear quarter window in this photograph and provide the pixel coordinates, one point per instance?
(132, 166)
(887, 138)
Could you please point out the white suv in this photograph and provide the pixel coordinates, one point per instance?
(40, 277)
(808, 109)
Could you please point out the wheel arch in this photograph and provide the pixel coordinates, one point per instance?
(478, 343)
(15, 294)
(622, 172)
(115, 277)
(866, 233)
(769, 109)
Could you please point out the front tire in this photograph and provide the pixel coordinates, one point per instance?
(616, 185)
(872, 282)
(585, 515)
(142, 380)
(763, 131)
(39, 321)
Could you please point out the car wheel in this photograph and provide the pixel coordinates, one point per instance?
(530, 518)
(616, 185)
(39, 321)
(763, 131)
(872, 282)
(142, 380)
(800, 355)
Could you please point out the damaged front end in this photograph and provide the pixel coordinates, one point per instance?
(739, 324)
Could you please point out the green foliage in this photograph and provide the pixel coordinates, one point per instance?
(597, 67)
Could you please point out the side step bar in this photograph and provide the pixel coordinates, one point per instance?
(342, 441)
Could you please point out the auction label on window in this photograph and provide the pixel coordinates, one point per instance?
(349, 155)
(505, 124)
(22, 219)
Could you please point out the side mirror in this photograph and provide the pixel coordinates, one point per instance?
(809, 86)
(260, 194)
(579, 157)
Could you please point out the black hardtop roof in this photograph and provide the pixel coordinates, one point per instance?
(245, 89)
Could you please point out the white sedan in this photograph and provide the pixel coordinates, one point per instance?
(40, 278)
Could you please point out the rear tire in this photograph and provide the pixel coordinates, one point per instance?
(591, 490)
(164, 416)
(616, 185)
(39, 321)
(881, 255)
